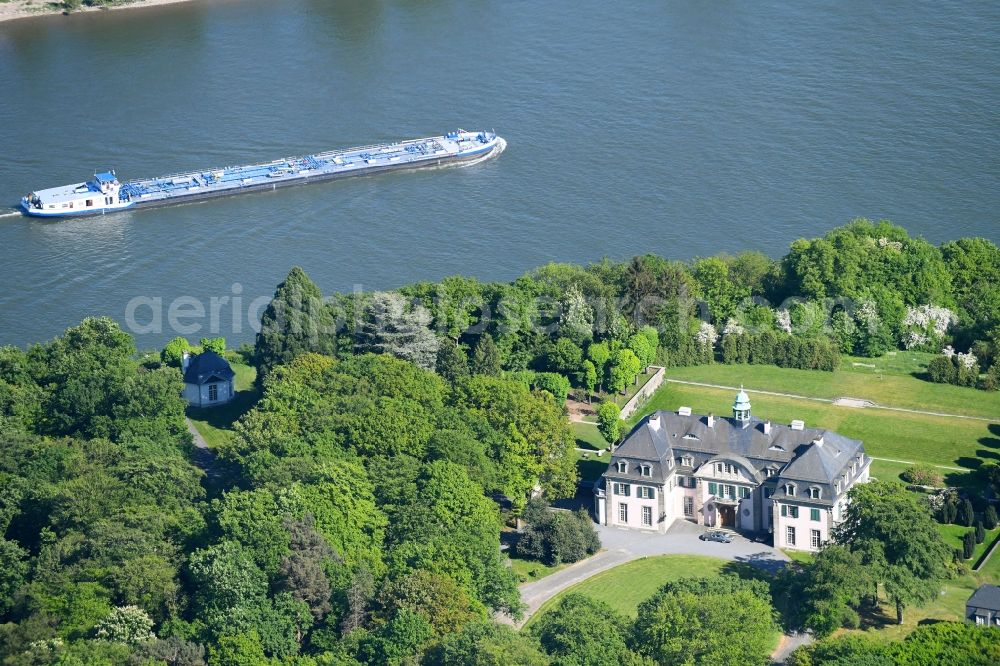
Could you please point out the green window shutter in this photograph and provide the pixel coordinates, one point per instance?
(711, 487)
(814, 514)
(732, 492)
(784, 510)
(744, 493)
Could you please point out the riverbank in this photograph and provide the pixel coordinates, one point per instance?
(18, 9)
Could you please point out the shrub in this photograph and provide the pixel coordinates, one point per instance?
(980, 532)
(554, 383)
(554, 537)
(942, 370)
(217, 345)
(991, 382)
(922, 475)
(174, 351)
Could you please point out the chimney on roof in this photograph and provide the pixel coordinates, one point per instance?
(654, 420)
(767, 427)
(711, 420)
(185, 361)
(798, 425)
(818, 442)
(684, 411)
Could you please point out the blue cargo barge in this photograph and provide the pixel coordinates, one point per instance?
(106, 194)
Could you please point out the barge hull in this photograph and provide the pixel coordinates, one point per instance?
(190, 197)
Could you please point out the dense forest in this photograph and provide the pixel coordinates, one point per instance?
(354, 516)
(864, 289)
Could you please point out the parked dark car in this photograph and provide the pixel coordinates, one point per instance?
(721, 537)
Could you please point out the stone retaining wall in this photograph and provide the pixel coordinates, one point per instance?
(643, 394)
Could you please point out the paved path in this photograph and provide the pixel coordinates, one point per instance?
(203, 457)
(855, 402)
(621, 546)
(788, 644)
(910, 462)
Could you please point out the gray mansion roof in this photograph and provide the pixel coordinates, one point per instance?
(986, 596)
(809, 456)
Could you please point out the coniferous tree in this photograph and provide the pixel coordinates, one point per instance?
(359, 596)
(452, 364)
(990, 517)
(301, 571)
(968, 544)
(980, 532)
(393, 326)
(295, 322)
(948, 512)
(966, 514)
(486, 358)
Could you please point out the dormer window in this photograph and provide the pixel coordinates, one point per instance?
(790, 489)
(854, 468)
(687, 461)
(838, 486)
(645, 470)
(814, 493)
(622, 467)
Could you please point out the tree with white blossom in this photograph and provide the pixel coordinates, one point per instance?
(926, 325)
(706, 338)
(783, 320)
(126, 624)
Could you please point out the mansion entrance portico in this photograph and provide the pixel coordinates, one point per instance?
(725, 514)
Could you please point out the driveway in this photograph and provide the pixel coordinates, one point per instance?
(621, 545)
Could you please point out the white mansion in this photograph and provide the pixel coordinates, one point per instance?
(740, 472)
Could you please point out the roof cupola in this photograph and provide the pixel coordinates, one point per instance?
(741, 407)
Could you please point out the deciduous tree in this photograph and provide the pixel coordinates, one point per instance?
(609, 422)
(725, 620)
(899, 544)
(581, 631)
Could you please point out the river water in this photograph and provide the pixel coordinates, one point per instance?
(682, 128)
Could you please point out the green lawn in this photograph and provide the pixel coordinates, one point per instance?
(990, 573)
(953, 535)
(587, 436)
(948, 606)
(890, 384)
(216, 423)
(530, 570)
(588, 464)
(628, 585)
(800, 556)
(937, 440)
